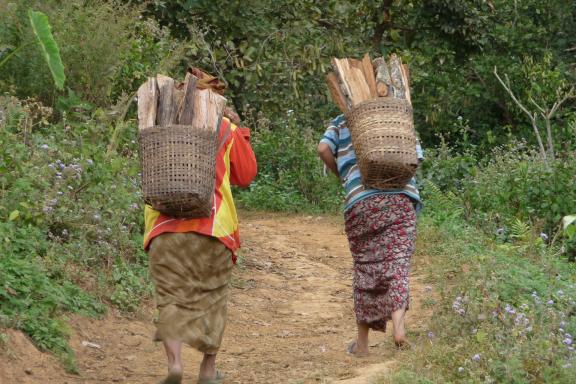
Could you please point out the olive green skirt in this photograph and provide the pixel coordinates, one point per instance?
(191, 273)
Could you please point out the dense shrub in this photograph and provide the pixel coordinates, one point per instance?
(70, 220)
(511, 184)
(503, 312)
(517, 186)
(107, 49)
(290, 174)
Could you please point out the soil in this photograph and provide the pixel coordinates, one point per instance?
(290, 319)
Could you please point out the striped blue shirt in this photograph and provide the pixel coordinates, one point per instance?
(337, 137)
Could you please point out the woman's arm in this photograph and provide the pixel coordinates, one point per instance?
(325, 154)
(243, 166)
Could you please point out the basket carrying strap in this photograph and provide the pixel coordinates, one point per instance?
(225, 138)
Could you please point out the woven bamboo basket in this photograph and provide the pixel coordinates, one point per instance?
(384, 140)
(178, 169)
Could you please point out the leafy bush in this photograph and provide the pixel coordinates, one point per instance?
(70, 221)
(503, 312)
(512, 184)
(290, 174)
(106, 47)
(35, 298)
(517, 186)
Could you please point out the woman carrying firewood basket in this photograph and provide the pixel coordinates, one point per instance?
(191, 259)
(364, 148)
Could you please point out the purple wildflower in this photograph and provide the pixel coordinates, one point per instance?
(457, 306)
(476, 357)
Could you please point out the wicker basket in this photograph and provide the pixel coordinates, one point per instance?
(383, 137)
(178, 169)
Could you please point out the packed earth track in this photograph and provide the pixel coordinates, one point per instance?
(290, 319)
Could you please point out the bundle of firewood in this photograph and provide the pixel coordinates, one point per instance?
(178, 141)
(163, 102)
(354, 81)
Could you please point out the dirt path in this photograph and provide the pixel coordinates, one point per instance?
(290, 319)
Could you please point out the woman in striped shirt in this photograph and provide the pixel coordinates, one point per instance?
(381, 230)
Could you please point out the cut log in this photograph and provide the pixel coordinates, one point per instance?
(185, 110)
(359, 84)
(179, 90)
(147, 103)
(383, 81)
(216, 105)
(368, 71)
(336, 92)
(343, 86)
(352, 77)
(167, 108)
(208, 108)
(398, 88)
(407, 73)
(406, 80)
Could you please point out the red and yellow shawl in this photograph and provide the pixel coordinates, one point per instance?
(235, 165)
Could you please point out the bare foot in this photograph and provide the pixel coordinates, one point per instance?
(401, 343)
(354, 350)
(174, 377)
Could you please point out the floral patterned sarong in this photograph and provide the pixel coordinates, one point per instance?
(381, 232)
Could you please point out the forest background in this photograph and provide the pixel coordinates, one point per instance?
(494, 101)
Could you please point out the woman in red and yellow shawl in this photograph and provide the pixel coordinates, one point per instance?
(191, 262)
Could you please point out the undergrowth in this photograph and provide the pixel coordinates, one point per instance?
(503, 307)
(70, 223)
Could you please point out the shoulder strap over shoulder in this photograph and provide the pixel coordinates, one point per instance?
(225, 137)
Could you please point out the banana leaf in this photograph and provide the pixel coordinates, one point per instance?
(43, 32)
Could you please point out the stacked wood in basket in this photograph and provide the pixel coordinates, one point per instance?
(179, 137)
(162, 102)
(375, 98)
(354, 81)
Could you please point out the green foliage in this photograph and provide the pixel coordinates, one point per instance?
(513, 185)
(290, 174)
(106, 47)
(151, 50)
(444, 207)
(500, 315)
(43, 32)
(33, 300)
(274, 55)
(447, 168)
(569, 226)
(518, 186)
(70, 221)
